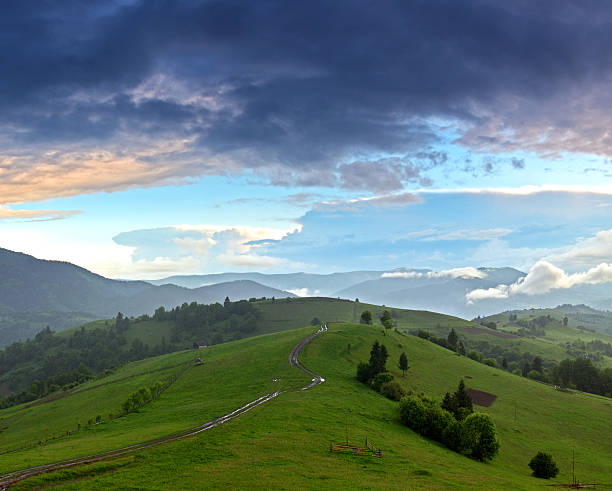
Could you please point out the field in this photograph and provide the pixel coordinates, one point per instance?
(285, 443)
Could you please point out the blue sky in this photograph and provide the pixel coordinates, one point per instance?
(141, 140)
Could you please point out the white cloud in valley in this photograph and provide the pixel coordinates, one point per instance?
(466, 272)
(542, 278)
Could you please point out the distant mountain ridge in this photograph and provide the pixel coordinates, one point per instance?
(33, 285)
(417, 289)
(308, 283)
(423, 289)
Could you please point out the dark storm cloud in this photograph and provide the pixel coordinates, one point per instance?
(302, 87)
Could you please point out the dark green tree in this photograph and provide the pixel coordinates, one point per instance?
(449, 402)
(378, 358)
(543, 466)
(366, 317)
(463, 399)
(386, 320)
(461, 348)
(565, 320)
(563, 372)
(403, 363)
(481, 436)
(537, 364)
(364, 372)
(452, 339)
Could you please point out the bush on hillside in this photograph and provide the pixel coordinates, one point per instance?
(473, 434)
(475, 355)
(380, 379)
(392, 390)
(481, 436)
(543, 466)
(364, 372)
(535, 375)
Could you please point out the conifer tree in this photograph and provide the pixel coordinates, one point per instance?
(452, 339)
(403, 363)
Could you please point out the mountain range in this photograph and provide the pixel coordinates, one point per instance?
(61, 294)
(421, 289)
(56, 293)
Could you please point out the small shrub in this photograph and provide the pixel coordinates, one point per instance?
(492, 362)
(364, 372)
(392, 390)
(535, 375)
(412, 412)
(475, 355)
(380, 379)
(454, 437)
(543, 466)
(435, 421)
(423, 334)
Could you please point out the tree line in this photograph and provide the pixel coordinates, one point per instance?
(49, 362)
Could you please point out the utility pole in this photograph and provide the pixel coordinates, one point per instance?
(346, 428)
(573, 467)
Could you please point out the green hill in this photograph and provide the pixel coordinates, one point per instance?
(558, 337)
(106, 343)
(285, 443)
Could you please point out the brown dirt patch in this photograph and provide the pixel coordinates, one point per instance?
(481, 398)
(497, 334)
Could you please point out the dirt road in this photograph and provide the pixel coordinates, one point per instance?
(10, 478)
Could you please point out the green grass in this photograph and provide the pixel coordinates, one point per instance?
(284, 444)
(230, 376)
(552, 345)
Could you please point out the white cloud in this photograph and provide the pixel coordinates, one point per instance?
(585, 252)
(466, 272)
(304, 292)
(542, 278)
(500, 291)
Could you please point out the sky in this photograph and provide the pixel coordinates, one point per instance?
(146, 139)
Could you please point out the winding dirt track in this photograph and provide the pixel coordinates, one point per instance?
(11, 478)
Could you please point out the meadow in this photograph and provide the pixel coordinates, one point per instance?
(285, 443)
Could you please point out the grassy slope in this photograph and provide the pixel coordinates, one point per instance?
(285, 314)
(284, 444)
(556, 334)
(232, 374)
(292, 313)
(596, 320)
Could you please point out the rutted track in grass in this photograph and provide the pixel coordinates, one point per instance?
(11, 478)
